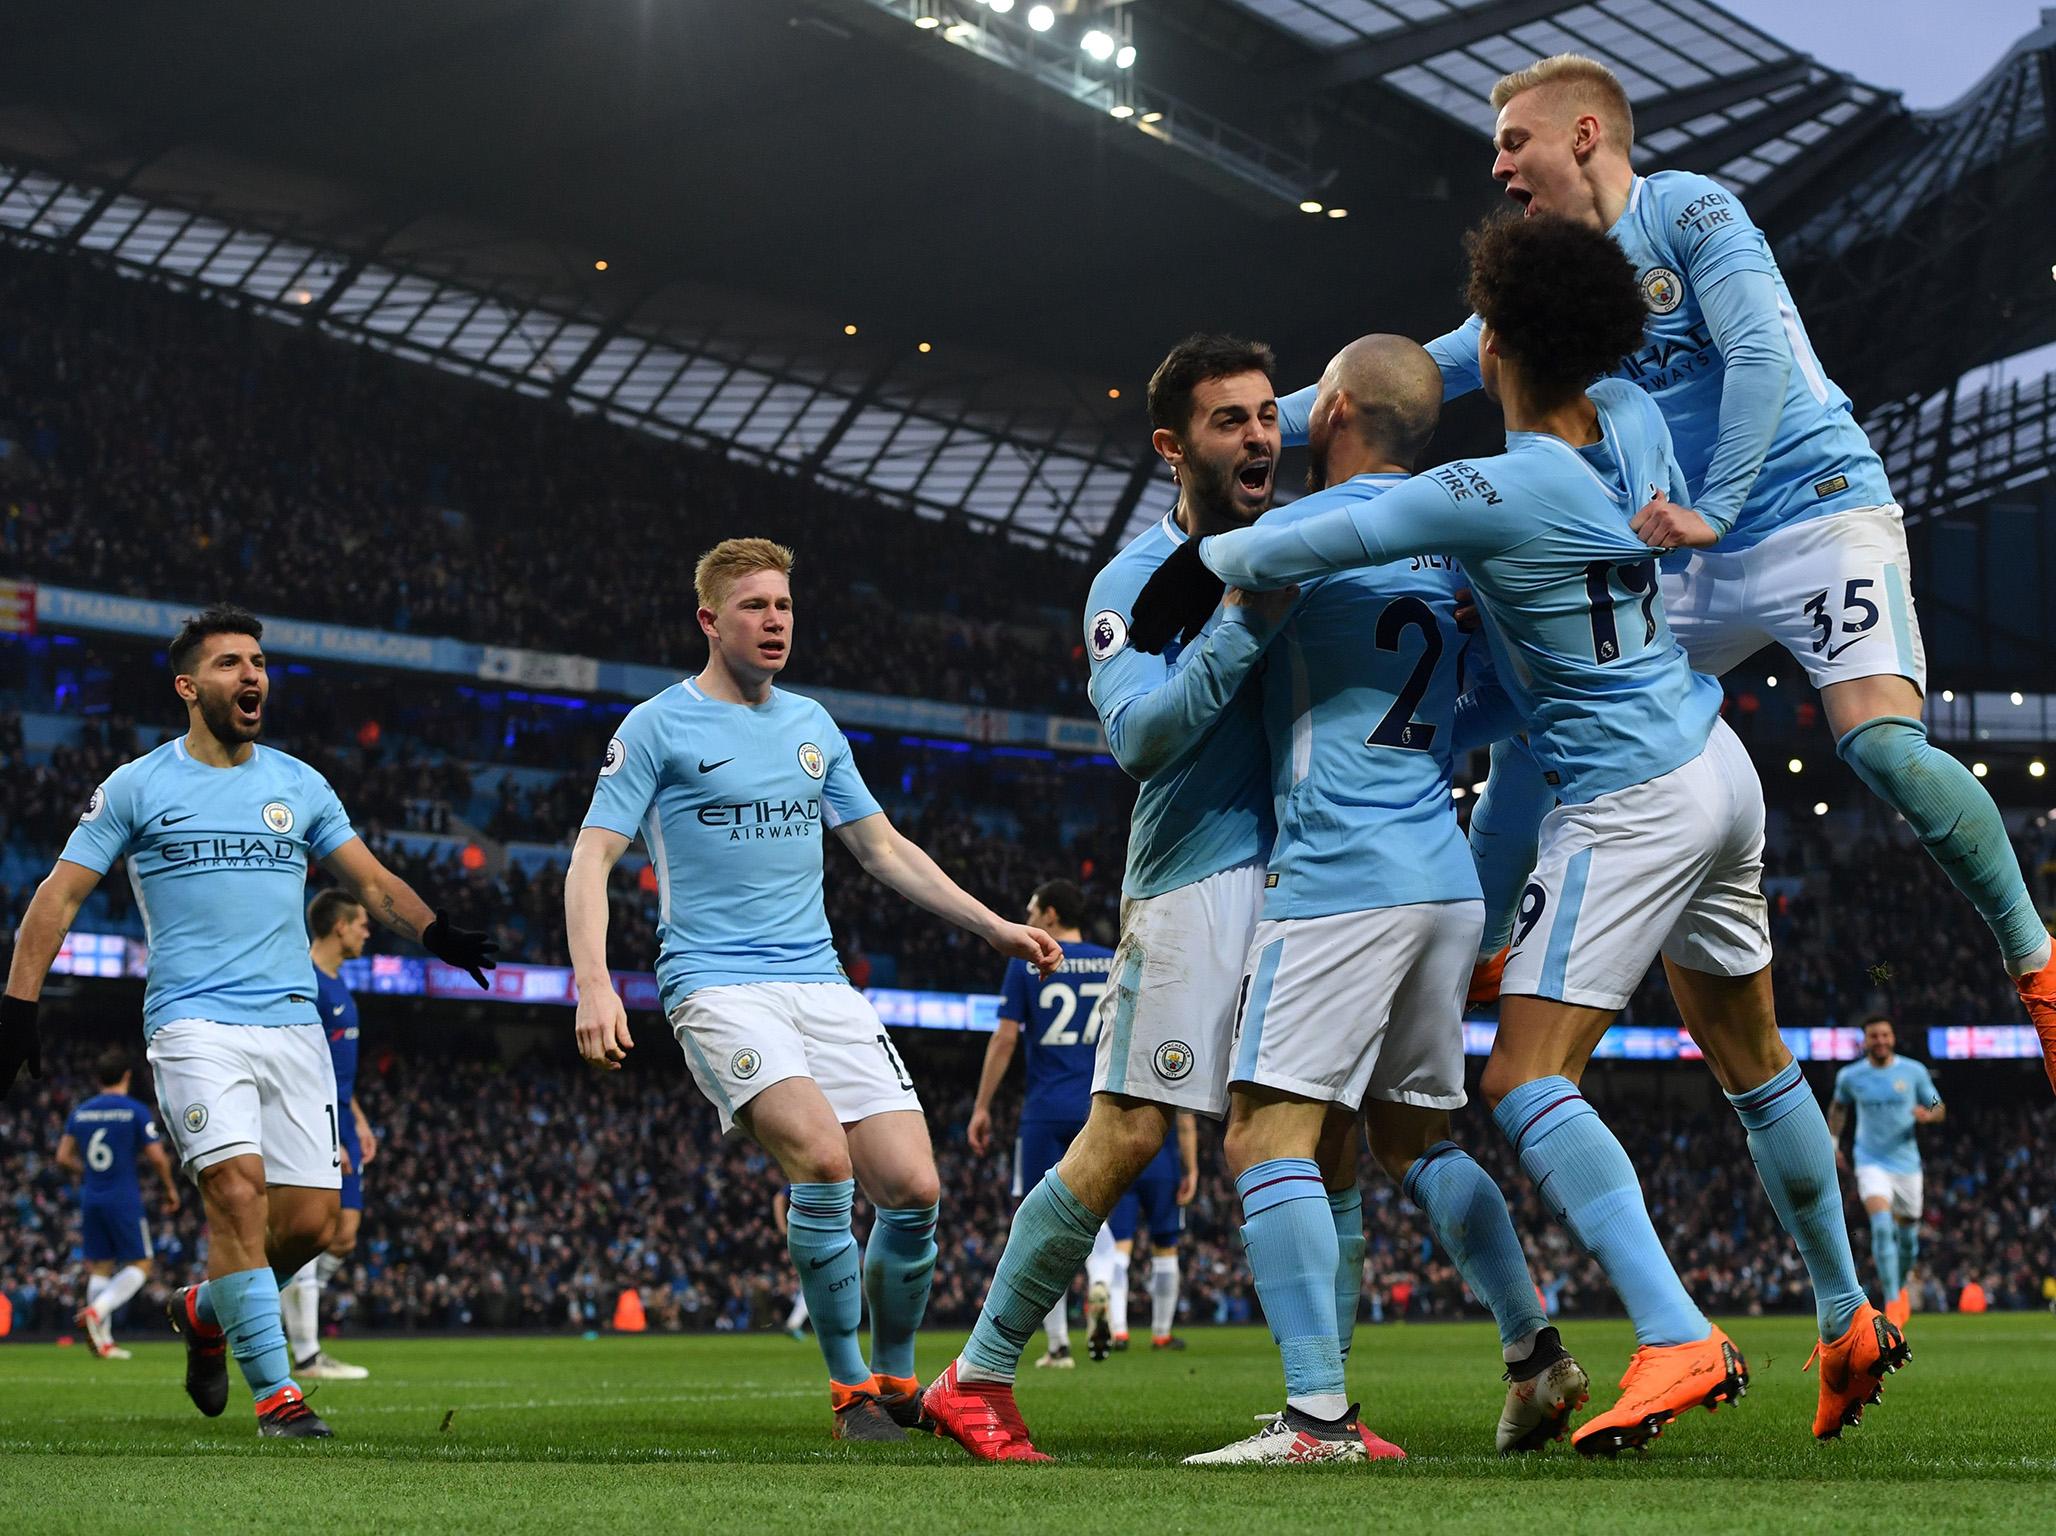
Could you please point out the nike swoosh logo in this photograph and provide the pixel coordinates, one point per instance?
(169, 820)
(822, 1263)
(707, 767)
(1836, 651)
(337, 1010)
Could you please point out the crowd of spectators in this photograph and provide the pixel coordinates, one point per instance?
(531, 1195)
(162, 444)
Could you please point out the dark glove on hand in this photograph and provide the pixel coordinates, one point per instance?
(476, 953)
(1176, 602)
(19, 1045)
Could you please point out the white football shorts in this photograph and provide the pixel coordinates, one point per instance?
(1671, 867)
(739, 1040)
(1903, 1190)
(233, 1090)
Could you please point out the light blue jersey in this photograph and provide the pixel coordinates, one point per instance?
(1359, 697)
(217, 858)
(1883, 1098)
(1573, 615)
(731, 800)
(1188, 724)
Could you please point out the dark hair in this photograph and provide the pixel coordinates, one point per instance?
(1063, 898)
(110, 1066)
(327, 909)
(1560, 296)
(214, 619)
(1881, 1018)
(1201, 356)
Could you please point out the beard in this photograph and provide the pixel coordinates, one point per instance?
(1209, 488)
(218, 714)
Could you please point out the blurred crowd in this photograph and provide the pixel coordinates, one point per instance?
(532, 1195)
(155, 443)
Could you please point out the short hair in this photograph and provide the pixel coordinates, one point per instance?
(1881, 1018)
(1561, 298)
(1063, 898)
(328, 908)
(721, 567)
(110, 1066)
(1201, 356)
(214, 619)
(1588, 84)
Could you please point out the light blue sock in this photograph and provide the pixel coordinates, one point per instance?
(1290, 1234)
(1580, 1169)
(1909, 1250)
(1795, 1158)
(1953, 816)
(824, 1253)
(203, 1303)
(899, 1267)
(1347, 1207)
(245, 1306)
(1504, 824)
(1471, 1222)
(1884, 1252)
(1052, 1232)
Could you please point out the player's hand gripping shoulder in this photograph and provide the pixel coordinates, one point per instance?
(1176, 601)
(1664, 525)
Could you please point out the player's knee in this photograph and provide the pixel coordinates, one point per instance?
(1498, 1080)
(819, 1160)
(916, 1190)
(1397, 1147)
(232, 1188)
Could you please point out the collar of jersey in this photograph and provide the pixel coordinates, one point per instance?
(178, 750)
(1627, 213)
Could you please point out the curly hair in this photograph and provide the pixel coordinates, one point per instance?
(1562, 300)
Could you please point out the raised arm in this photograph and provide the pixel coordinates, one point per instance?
(602, 1026)
(393, 902)
(893, 861)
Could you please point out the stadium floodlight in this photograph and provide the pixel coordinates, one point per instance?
(957, 31)
(1308, 205)
(999, 7)
(1820, 807)
(1097, 45)
(1041, 18)
(1123, 111)
(1980, 769)
(925, 347)
(2037, 768)
(927, 23)
(1795, 765)
(2015, 698)
(849, 330)
(1124, 56)
(1770, 682)
(1152, 117)
(1948, 695)
(599, 266)
(1338, 213)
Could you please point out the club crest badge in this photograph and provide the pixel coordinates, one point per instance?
(1174, 1060)
(279, 817)
(744, 1063)
(812, 760)
(1662, 290)
(196, 1117)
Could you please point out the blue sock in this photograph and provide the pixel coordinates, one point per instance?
(1504, 824)
(824, 1252)
(1471, 1222)
(899, 1267)
(1795, 1158)
(1884, 1252)
(1580, 1169)
(1347, 1207)
(1052, 1232)
(1290, 1234)
(245, 1306)
(1953, 816)
(1909, 1250)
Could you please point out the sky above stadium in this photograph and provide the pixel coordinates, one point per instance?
(1930, 50)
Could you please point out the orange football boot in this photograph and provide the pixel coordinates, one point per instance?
(1899, 1310)
(1663, 1381)
(1853, 1370)
(1485, 979)
(2038, 995)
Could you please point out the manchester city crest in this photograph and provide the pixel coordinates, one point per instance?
(812, 760)
(1662, 290)
(744, 1063)
(279, 817)
(196, 1117)
(1173, 1060)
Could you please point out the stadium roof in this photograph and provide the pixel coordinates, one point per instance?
(443, 181)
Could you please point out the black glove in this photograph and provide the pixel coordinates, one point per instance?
(1176, 602)
(19, 1046)
(468, 951)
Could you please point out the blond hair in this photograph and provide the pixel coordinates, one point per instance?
(721, 567)
(1586, 83)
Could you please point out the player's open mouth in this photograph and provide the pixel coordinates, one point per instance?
(1522, 196)
(250, 705)
(1254, 476)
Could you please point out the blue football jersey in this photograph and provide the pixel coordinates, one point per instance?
(217, 858)
(1059, 1020)
(339, 1018)
(1359, 694)
(111, 1130)
(1685, 233)
(1883, 1098)
(731, 800)
(1574, 617)
(1188, 724)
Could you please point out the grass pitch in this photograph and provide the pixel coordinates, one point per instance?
(731, 1434)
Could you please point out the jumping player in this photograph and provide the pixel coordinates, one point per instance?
(101, 1142)
(339, 929)
(1188, 725)
(1658, 845)
(1892, 1096)
(731, 781)
(218, 831)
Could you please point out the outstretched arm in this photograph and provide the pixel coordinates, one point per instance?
(392, 901)
(892, 860)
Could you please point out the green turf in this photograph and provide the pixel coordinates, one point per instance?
(727, 1434)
